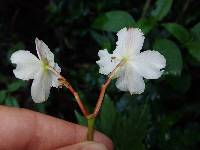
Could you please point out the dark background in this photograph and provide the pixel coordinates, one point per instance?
(165, 116)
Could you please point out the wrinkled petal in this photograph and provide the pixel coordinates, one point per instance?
(41, 86)
(27, 64)
(54, 78)
(149, 64)
(130, 41)
(130, 80)
(105, 63)
(44, 52)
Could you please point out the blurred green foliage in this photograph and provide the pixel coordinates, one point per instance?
(166, 116)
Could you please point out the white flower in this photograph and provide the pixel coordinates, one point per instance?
(136, 65)
(28, 66)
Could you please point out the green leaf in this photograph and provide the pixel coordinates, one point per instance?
(162, 9)
(178, 31)
(40, 107)
(194, 49)
(196, 32)
(52, 8)
(16, 85)
(113, 21)
(81, 120)
(2, 95)
(11, 101)
(18, 45)
(134, 124)
(172, 55)
(180, 84)
(146, 24)
(107, 116)
(102, 40)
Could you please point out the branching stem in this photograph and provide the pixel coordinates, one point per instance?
(64, 82)
(90, 117)
(103, 89)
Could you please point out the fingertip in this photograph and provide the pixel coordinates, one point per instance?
(85, 146)
(101, 138)
(94, 146)
(31, 124)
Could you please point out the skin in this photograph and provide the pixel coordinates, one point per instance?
(25, 129)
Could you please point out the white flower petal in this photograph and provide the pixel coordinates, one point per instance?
(130, 41)
(130, 80)
(54, 78)
(44, 52)
(121, 82)
(41, 86)
(105, 63)
(27, 64)
(149, 64)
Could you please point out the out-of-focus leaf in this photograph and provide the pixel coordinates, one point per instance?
(146, 24)
(52, 8)
(11, 101)
(2, 95)
(196, 32)
(113, 21)
(172, 55)
(134, 123)
(108, 114)
(81, 120)
(40, 107)
(194, 49)
(103, 41)
(178, 31)
(119, 125)
(181, 84)
(16, 85)
(18, 45)
(162, 9)
(123, 102)
(179, 138)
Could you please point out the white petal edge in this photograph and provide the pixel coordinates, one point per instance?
(130, 41)
(105, 63)
(130, 80)
(149, 64)
(54, 78)
(44, 52)
(41, 86)
(27, 64)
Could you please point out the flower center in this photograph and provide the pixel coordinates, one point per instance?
(125, 59)
(45, 65)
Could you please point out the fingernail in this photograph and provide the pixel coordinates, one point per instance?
(94, 146)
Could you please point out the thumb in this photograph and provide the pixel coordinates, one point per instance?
(85, 146)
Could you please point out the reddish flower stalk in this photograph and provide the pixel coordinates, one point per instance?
(64, 82)
(90, 117)
(78, 100)
(103, 89)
